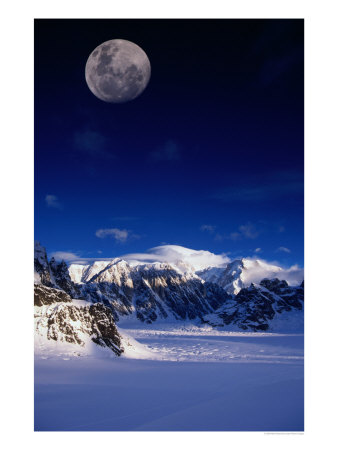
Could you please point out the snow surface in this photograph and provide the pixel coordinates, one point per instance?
(76, 272)
(173, 378)
(192, 343)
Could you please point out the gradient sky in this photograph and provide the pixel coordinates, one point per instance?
(209, 157)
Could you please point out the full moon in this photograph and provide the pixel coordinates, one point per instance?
(117, 71)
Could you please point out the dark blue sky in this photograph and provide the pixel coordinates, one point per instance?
(210, 156)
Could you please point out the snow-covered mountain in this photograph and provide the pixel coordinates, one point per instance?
(241, 273)
(261, 306)
(199, 264)
(150, 292)
(51, 273)
(82, 303)
(184, 259)
(58, 318)
(179, 290)
(61, 319)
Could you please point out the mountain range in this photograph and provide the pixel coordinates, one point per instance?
(85, 301)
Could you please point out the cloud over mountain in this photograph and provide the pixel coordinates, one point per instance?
(173, 254)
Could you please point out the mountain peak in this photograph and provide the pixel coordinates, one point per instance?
(237, 293)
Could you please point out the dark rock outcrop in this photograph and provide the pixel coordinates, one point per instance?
(63, 321)
(51, 273)
(152, 292)
(44, 295)
(162, 291)
(59, 318)
(254, 308)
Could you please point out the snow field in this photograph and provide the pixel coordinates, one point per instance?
(175, 379)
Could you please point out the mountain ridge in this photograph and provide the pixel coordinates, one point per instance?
(155, 292)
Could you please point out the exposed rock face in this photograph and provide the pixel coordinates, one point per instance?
(41, 265)
(59, 319)
(44, 295)
(167, 291)
(160, 291)
(103, 329)
(291, 297)
(229, 278)
(241, 273)
(151, 292)
(62, 279)
(52, 274)
(256, 306)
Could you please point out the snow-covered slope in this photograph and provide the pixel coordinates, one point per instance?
(242, 272)
(85, 273)
(59, 319)
(263, 306)
(161, 291)
(230, 275)
(148, 292)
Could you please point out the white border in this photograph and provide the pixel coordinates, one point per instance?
(17, 218)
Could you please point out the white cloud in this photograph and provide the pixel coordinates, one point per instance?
(175, 254)
(53, 202)
(120, 235)
(283, 249)
(294, 275)
(181, 257)
(66, 256)
(258, 250)
(257, 269)
(116, 233)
